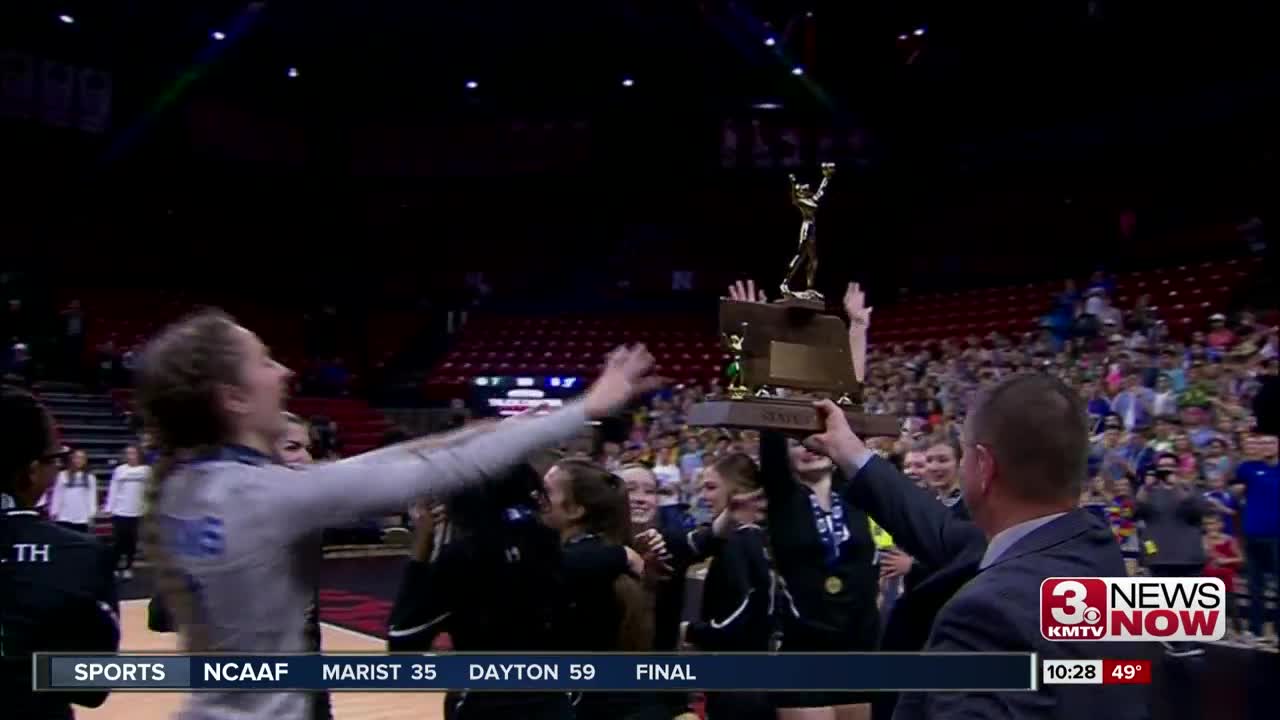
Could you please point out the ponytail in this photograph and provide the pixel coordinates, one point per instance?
(173, 589)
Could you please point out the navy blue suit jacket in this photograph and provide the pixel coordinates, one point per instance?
(996, 609)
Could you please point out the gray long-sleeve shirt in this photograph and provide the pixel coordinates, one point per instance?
(241, 532)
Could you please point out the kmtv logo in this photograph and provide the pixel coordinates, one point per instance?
(1149, 609)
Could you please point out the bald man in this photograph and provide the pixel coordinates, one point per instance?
(1025, 457)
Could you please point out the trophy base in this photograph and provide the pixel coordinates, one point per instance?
(797, 416)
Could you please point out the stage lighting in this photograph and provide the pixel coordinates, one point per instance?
(67, 19)
(797, 71)
(292, 72)
(918, 32)
(902, 37)
(767, 106)
(628, 82)
(770, 41)
(472, 84)
(218, 35)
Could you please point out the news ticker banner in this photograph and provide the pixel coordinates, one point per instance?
(494, 672)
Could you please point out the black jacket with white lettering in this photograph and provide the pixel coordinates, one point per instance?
(738, 597)
(59, 596)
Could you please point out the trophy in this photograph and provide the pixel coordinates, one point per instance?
(806, 258)
(785, 354)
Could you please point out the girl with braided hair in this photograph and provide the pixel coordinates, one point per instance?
(232, 531)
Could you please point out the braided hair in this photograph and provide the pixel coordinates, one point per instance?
(178, 385)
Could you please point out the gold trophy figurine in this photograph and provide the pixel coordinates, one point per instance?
(806, 201)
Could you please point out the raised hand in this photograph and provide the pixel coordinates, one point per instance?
(855, 306)
(746, 292)
(628, 374)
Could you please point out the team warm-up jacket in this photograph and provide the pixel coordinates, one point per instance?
(236, 528)
(847, 620)
(738, 596)
(495, 592)
(57, 594)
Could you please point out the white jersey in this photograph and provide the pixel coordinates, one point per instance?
(240, 531)
(74, 498)
(128, 491)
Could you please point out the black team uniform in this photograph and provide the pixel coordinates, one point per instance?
(828, 561)
(686, 549)
(321, 704)
(495, 591)
(594, 617)
(57, 594)
(739, 600)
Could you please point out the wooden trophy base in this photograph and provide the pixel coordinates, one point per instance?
(797, 416)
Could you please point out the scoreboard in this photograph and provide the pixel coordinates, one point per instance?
(497, 395)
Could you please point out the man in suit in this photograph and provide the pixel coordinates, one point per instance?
(1025, 448)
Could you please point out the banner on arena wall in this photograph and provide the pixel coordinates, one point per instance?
(17, 84)
(57, 93)
(771, 141)
(93, 100)
(1006, 672)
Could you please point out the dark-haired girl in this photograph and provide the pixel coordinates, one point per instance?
(57, 592)
(740, 593)
(492, 587)
(608, 611)
(822, 545)
(229, 521)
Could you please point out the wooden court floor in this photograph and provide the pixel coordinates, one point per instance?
(135, 637)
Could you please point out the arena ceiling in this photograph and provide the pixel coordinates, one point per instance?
(917, 70)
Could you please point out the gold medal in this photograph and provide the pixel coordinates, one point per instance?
(834, 585)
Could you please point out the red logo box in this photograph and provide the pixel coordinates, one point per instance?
(1073, 609)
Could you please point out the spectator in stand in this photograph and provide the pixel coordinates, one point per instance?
(1135, 405)
(1220, 337)
(1259, 479)
(1196, 426)
(1224, 558)
(1172, 513)
(1137, 456)
(72, 339)
(690, 458)
(1120, 513)
(1215, 465)
(1165, 402)
(1098, 402)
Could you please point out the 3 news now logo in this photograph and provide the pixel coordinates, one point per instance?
(1143, 609)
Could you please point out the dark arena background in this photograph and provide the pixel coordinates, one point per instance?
(439, 212)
